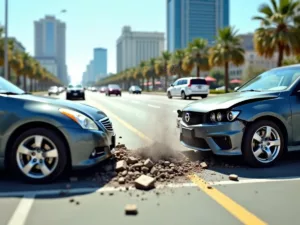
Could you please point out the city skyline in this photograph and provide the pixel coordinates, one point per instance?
(50, 46)
(190, 19)
(79, 44)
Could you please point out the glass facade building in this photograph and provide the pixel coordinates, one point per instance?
(190, 19)
(100, 63)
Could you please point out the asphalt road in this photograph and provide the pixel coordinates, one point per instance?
(261, 196)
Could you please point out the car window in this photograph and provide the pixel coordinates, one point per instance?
(80, 86)
(198, 81)
(179, 82)
(113, 86)
(70, 86)
(273, 80)
(175, 83)
(184, 81)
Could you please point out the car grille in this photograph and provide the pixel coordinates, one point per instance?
(194, 118)
(107, 124)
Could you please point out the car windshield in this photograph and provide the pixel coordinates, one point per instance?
(114, 86)
(79, 86)
(70, 86)
(198, 81)
(6, 87)
(272, 80)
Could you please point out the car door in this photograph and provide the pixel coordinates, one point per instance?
(178, 87)
(3, 105)
(173, 89)
(295, 110)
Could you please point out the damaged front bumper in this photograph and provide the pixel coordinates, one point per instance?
(224, 138)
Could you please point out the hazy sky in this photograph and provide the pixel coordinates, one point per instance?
(98, 23)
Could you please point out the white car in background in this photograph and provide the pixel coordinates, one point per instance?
(53, 90)
(188, 87)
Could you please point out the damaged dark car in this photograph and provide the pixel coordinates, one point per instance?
(260, 120)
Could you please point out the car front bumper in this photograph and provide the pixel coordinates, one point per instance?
(221, 138)
(89, 147)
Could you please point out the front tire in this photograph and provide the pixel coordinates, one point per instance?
(263, 144)
(169, 95)
(38, 155)
(203, 96)
(183, 96)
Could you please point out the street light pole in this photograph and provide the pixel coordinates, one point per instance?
(6, 42)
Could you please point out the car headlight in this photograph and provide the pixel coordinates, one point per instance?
(219, 117)
(231, 115)
(84, 121)
(213, 117)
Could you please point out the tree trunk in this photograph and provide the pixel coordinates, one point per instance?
(153, 83)
(180, 69)
(18, 81)
(226, 76)
(198, 71)
(24, 83)
(280, 56)
(148, 83)
(166, 76)
(9, 73)
(31, 85)
(143, 81)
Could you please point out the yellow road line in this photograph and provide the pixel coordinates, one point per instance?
(231, 206)
(127, 125)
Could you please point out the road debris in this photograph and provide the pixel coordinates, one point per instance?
(131, 209)
(144, 182)
(233, 177)
(204, 165)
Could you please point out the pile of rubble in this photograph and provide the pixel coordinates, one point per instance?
(143, 168)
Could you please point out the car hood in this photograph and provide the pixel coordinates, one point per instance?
(90, 111)
(225, 101)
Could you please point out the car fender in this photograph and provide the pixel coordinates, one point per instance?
(252, 111)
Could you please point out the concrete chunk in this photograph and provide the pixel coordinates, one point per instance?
(233, 177)
(144, 182)
(132, 160)
(131, 209)
(204, 165)
(148, 163)
(121, 165)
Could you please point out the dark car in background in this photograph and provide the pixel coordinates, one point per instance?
(75, 91)
(42, 137)
(259, 121)
(135, 90)
(113, 89)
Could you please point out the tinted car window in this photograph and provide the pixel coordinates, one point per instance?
(70, 86)
(184, 81)
(198, 81)
(79, 86)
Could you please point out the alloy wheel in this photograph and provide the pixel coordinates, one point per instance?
(37, 156)
(266, 144)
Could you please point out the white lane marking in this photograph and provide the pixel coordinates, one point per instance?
(174, 111)
(154, 106)
(253, 181)
(20, 215)
(137, 102)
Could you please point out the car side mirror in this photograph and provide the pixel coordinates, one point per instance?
(172, 85)
(235, 89)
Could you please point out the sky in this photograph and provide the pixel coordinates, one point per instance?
(98, 23)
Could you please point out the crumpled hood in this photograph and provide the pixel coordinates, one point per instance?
(225, 101)
(90, 111)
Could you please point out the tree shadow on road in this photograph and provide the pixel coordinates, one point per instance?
(288, 166)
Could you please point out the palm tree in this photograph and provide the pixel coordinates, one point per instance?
(17, 65)
(166, 57)
(279, 31)
(138, 73)
(27, 70)
(227, 50)
(198, 55)
(175, 65)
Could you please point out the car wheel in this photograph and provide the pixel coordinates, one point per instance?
(183, 96)
(190, 97)
(38, 156)
(83, 97)
(263, 144)
(169, 95)
(203, 96)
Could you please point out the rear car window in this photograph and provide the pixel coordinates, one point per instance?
(198, 81)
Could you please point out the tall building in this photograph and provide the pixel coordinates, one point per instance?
(100, 63)
(190, 19)
(134, 47)
(50, 45)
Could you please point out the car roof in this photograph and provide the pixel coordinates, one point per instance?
(201, 78)
(295, 66)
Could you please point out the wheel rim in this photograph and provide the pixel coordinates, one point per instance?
(37, 156)
(266, 144)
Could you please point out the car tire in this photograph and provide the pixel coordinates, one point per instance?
(203, 96)
(183, 96)
(169, 95)
(276, 151)
(49, 138)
